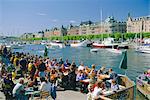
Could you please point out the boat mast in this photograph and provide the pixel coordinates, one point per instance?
(101, 25)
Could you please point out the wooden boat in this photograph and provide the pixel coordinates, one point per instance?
(126, 91)
(143, 86)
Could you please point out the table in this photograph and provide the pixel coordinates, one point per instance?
(30, 91)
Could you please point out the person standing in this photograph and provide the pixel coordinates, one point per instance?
(19, 91)
(42, 68)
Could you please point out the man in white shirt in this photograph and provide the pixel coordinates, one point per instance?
(81, 67)
(19, 91)
(45, 85)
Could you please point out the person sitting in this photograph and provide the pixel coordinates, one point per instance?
(72, 78)
(97, 90)
(93, 70)
(113, 75)
(43, 86)
(81, 67)
(80, 76)
(42, 68)
(90, 90)
(101, 71)
(114, 86)
(46, 86)
(19, 91)
(8, 86)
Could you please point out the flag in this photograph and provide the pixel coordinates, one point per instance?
(123, 63)
(45, 52)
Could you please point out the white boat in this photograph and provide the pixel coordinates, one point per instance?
(123, 45)
(144, 48)
(79, 44)
(15, 46)
(107, 43)
(94, 50)
(50, 47)
(115, 51)
(57, 44)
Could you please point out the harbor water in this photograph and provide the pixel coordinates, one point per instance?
(137, 62)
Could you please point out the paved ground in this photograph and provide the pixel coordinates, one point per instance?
(70, 95)
(62, 95)
(2, 97)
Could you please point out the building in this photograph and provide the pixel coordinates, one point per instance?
(56, 32)
(28, 35)
(113, 26)
(72, 30)
(110, 25)
(138, 25)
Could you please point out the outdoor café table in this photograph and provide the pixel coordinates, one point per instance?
(30, 91)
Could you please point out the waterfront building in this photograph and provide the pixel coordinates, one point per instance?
(113, 26)
(27, 35)
(72, 30)
(56, 32)
(110, 25)
(138, 25)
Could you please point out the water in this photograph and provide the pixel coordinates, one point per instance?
(137, 62)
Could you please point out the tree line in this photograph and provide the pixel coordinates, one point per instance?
(117, 36)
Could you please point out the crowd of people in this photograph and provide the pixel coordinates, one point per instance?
(24, 70)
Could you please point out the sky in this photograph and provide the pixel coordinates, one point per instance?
(28, 16)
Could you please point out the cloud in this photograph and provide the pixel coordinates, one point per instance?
(72, 21)
(41, 14)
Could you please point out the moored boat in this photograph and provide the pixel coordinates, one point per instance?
(94, 50)
(115, 51)
(79, 44)
(57, 44)
(144, 48)
(107, 43)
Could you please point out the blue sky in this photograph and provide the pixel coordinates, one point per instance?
(20, 16)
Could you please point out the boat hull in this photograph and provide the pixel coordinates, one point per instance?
(96, 45)
(124, 94)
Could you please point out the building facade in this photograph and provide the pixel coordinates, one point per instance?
(138, 25)
(110, 25)
(56, 32)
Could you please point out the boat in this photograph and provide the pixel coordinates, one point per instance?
(115, 51)
(107, 43)
(79, 44)
(143, 86)
(94, 50)
(15, 46)
(57, 44)
(126, 91)
(144, 48)
(50, 47)
(123, 45)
